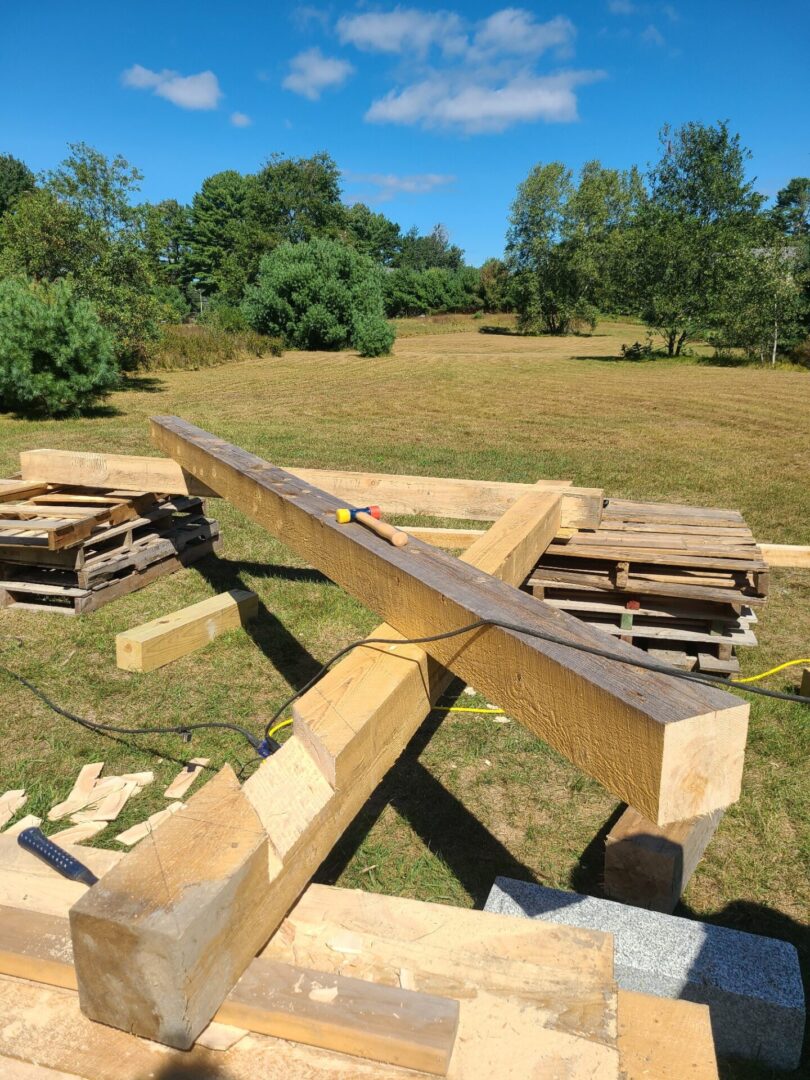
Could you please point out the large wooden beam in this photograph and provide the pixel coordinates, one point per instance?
(671, 748)
(159, 909)
(477, 500)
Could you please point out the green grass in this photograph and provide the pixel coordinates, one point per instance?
(471, 798)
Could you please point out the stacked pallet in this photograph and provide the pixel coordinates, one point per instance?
(72, 549)
(680, 582)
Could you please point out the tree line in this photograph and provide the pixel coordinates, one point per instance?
(90, 277)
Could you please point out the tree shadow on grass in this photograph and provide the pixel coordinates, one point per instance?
(143, 384)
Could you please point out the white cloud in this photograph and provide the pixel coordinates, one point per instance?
(240, 119)
(200, 91)
(514, 32)
(652, 36)
(311, 73)
(305, 14)
(389, 185)
(474, 107)
(621, 7)
(403, 30)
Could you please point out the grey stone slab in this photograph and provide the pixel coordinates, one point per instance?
(752, 984)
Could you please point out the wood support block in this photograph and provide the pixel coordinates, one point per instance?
(665, 1039)
(649, 866)
(169, 637)
(804, 689)
(672, 749)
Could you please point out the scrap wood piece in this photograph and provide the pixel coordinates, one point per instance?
(335, 1012)
(10, 803)
(650, 866)
(219, 1036)
(79, 793)
(167, 638)
(110, 471)
(27, 882)
(639, 733)
(77, 834)
(185, 778)
(27, 822)
(305, 816)
(137, 832)
(109, 806)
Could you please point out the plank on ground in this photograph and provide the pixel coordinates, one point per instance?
(167, 638)
(302, 813)
(353, 1016)
(672, 749)
(44, 1024)
(650, 866)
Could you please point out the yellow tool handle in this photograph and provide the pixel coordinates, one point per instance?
(381, 528)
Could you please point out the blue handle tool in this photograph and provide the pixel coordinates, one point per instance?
(35, 841)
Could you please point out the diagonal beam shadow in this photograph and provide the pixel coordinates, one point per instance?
(441, 821)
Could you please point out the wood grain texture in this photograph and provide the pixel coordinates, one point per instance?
(650, 866)
(672, 749)
(336, 1012)
(664, 1039)
(152, 941)
(169, 637)
(79, 469)
(786, 555)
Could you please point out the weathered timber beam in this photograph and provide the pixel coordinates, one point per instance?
(162, 913)
(117, 471)
(671, 748)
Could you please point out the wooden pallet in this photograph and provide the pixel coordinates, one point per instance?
(58, 519)
(44, 589)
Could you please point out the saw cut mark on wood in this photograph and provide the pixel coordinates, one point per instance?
(169, 637)
(672, 749)
(650, 867)
(298, 808)
(78, 469)
(336, 1012)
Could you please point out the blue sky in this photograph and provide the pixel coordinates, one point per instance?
(433, 112)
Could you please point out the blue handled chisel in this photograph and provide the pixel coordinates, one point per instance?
(35, 841)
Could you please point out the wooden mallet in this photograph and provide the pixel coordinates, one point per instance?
(369, 516)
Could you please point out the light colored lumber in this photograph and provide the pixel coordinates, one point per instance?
(475, 500)
(109, 807)
(352, 713)
(302, 813)
(450, 539)
(796, 555)
(79, 469)
(649, 866)
(44, 1024)
(167, 638)
(27, 882)
(138, 832)
(27, 822)
(665, 1039)
(185, 778)
(80, 793)
(336, 1012)
(672, 749)
(10, 803)
(220, 1036)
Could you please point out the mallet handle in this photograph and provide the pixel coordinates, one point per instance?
(381, 528)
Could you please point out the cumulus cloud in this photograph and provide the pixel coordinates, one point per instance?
(311, 73)
(514, 32)
(240, 119)
(389, 185)
(403, 30)
(201, 91)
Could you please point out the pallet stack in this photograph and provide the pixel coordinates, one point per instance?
(72, 549)
(680, 582)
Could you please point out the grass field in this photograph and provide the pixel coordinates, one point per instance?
(471, 798)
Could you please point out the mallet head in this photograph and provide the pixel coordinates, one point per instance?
(347, 513)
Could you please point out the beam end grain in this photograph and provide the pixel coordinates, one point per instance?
(153, 943)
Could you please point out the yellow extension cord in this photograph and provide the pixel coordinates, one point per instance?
(494, 712)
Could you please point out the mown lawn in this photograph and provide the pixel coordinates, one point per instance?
(471, 798)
